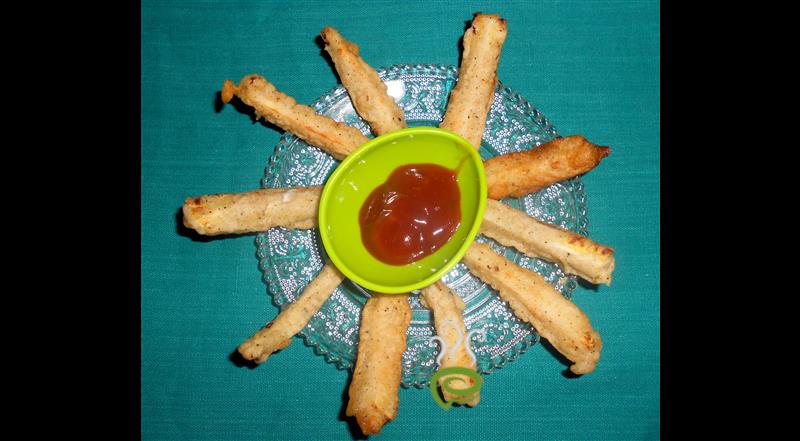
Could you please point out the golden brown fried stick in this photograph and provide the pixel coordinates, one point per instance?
(366, 90)
(278, 333)
(576, 254)
(447, 308)
(376, 379)
(520, 173)
(252, 211)
(511, 174)
(334, 137)
(533, 300)
(477, 78)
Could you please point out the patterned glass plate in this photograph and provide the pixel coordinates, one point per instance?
(291, 258)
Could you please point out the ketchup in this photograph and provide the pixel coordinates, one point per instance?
(411, 215)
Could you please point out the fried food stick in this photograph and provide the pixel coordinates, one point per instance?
(477, 78)
(366, 89)
(278, 333)
(374, 390)
(533, 300)
(334, 137)
(257, 210)
(511, 174)
(575, 253)
(447, 308)
(520, 173)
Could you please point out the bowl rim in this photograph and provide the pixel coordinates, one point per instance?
(353, 158)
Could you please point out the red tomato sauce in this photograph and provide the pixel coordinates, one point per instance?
(411, 215)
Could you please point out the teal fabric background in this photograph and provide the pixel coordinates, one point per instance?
(591, 67)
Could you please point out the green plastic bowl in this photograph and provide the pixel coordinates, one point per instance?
(370, 166)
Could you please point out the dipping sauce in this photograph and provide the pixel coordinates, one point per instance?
(412, 214)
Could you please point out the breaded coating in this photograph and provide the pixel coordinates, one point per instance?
(336, 138)
(252, 211)
(448, 320)
(576, 254)
(477, 78)
(520, 173)
(511, 174)
(366, 90)
(374, 390)
(533, 300)
(278, 334)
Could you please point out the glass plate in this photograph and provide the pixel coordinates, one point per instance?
(291, 258)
